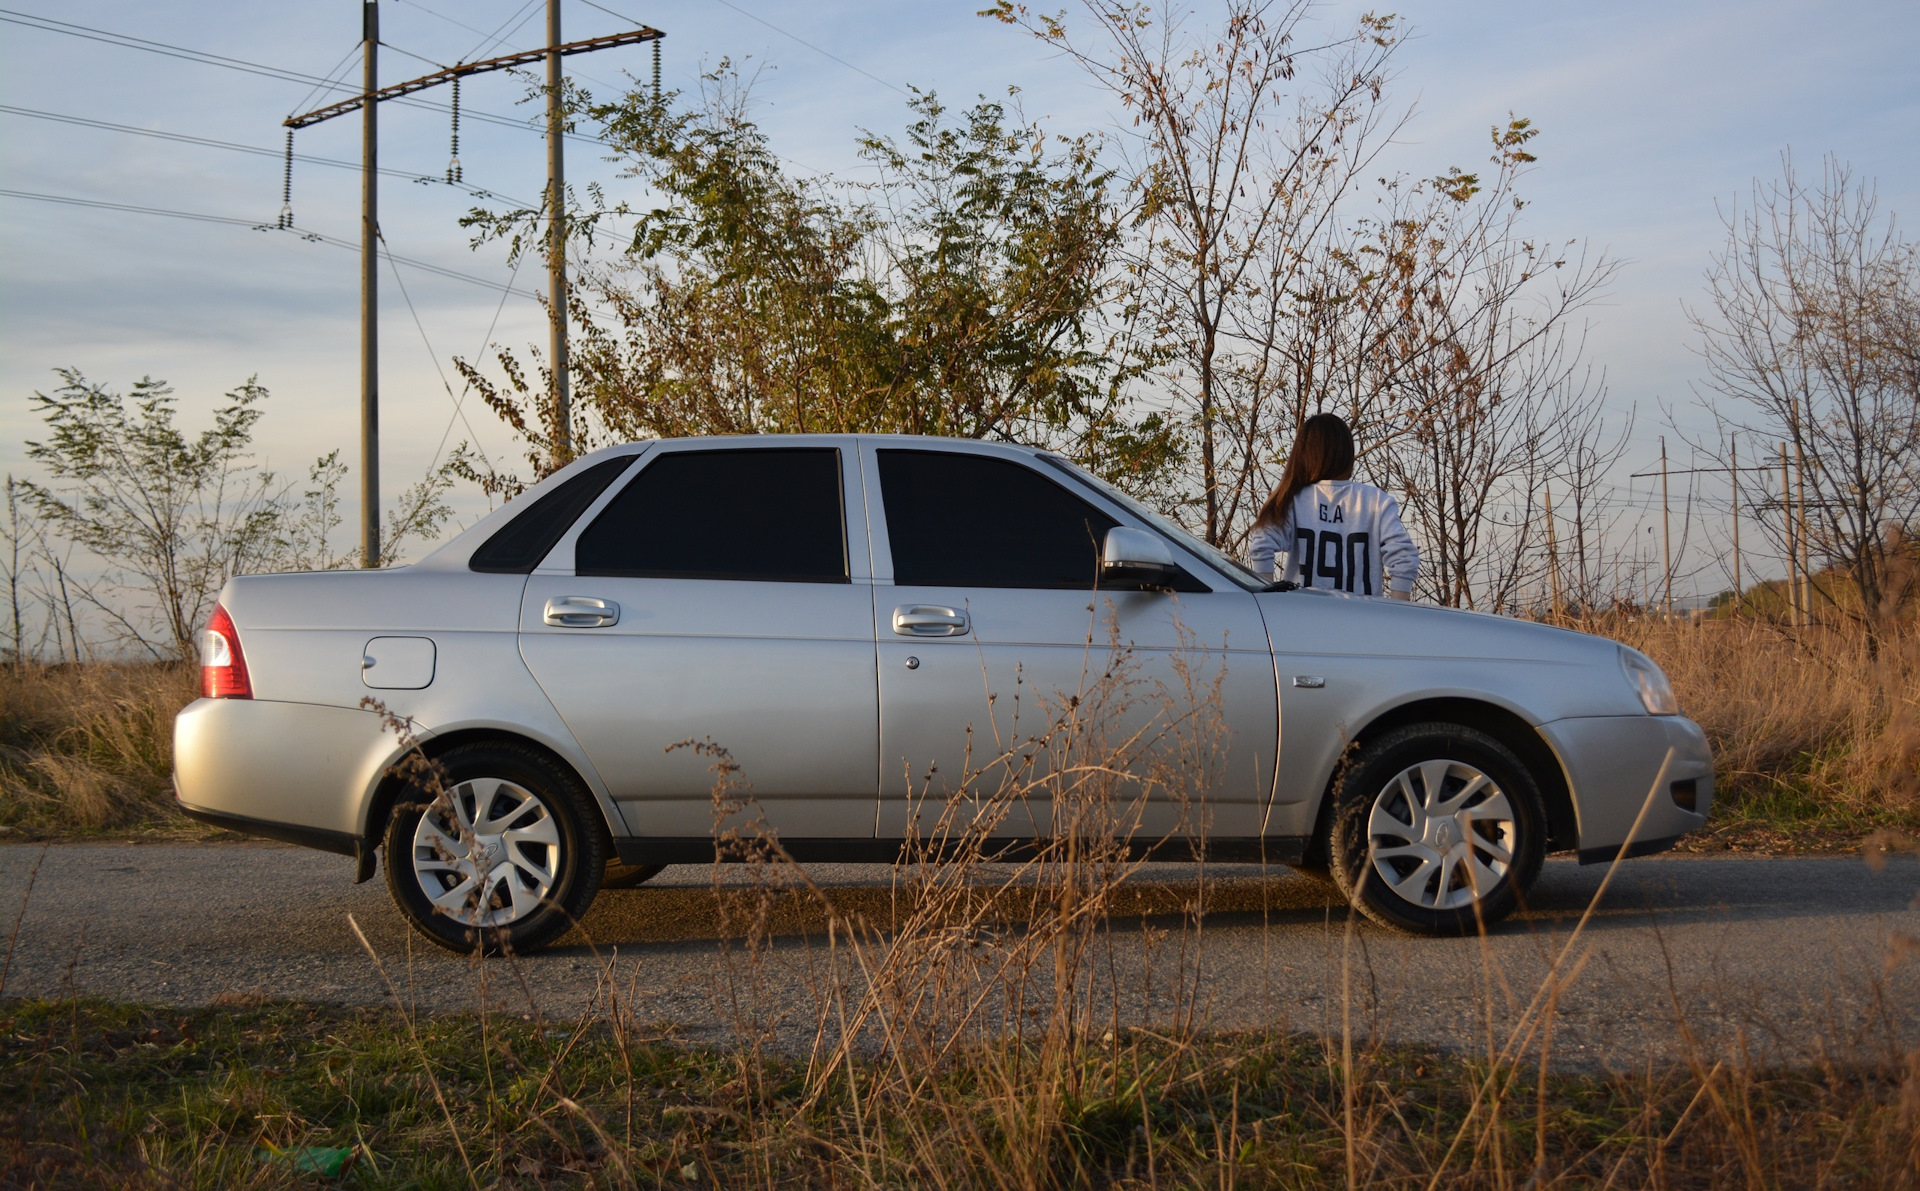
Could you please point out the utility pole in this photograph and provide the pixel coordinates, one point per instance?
(1793, 549)
(370, 288)
(1553, 557)
(1739, 592)
(557, 242)
(1806, 553)
(367, 103)
(1666, 529)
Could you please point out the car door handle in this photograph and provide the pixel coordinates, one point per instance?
(581, 612)
(923, 621)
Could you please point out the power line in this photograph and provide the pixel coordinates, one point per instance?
(782, 32)
(128, 42)
(336, 75)
(500, 35)
(458, 411)
(259, 226)
(416, 57)
(257, 150)
(443, 16)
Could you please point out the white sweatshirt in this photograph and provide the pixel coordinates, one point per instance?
(1341, 534)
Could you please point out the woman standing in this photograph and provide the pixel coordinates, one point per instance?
(1332, 530)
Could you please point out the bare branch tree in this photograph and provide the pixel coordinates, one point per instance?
(1814, 329)
(1238, 168)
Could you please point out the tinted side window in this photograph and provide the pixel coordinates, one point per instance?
(519, 545)
(767, 514)
(971, 521)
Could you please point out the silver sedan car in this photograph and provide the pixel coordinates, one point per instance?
(856, 620)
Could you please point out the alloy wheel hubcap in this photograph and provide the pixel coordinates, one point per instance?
(1441, 834)
(488, 853)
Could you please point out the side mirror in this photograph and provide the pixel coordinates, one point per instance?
(1136, 558)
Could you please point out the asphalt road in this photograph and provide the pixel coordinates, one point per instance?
(1789, 957)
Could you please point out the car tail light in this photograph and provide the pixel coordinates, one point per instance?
(223, 668)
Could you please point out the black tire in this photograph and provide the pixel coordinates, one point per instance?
(626, 876)
(579, 839)
(1454, 903)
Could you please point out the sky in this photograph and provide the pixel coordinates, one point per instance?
(1653, 118)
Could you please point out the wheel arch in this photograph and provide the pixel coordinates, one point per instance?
(387, 791)
(1504, 725)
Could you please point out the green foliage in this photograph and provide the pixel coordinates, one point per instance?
(964, 293)
(169, 515)
(172, 514)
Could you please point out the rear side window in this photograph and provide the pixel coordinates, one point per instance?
(519, 545)
(766, 514)
(959, 520)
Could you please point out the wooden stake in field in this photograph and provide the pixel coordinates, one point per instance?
(1553, 558)
(1793, 550)
(1739, 592)
(1666, 530)
(1806, 554)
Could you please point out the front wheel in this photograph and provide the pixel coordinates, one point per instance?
(507, 859)
(1439, 830)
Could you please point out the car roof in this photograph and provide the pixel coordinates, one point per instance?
(751, 440)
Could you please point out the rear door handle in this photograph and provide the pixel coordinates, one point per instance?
(581, 612)
(922, 620)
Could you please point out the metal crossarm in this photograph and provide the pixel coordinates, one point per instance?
(505, 62)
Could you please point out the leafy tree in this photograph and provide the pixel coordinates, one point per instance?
(967, 292)
(171, 514)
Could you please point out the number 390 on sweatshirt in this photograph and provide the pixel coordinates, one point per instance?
(1339, 534)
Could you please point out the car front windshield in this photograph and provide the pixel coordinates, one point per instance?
(1233, 567)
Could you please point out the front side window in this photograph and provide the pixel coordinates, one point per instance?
(773, 515)
(957, 520)
(1234, 568)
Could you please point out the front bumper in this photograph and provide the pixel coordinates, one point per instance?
(1611, 763)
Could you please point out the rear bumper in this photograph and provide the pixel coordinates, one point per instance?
(299, 772)
(1611, 763)
(307, 837)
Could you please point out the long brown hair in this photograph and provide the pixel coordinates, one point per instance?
(1323, 450)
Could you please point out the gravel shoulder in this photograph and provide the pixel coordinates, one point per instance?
(1791, 956)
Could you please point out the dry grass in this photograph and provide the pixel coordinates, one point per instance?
(86, 748)
(1812, 737)
(1815, 743)
(989, 1034)
(239, 1096)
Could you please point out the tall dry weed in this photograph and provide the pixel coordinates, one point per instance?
(1808, 712)
(88, 746)
(975, 1037)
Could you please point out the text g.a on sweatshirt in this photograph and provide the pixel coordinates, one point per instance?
(1339, 534)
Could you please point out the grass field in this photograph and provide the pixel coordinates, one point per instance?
(281, 1094)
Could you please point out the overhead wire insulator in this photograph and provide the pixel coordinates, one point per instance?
(453, 167)
(656, 70)
(286, 186)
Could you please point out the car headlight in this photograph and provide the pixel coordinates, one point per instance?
(1649, 682)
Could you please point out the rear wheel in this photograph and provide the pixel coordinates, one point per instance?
(507, 860)
(1439, 830)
